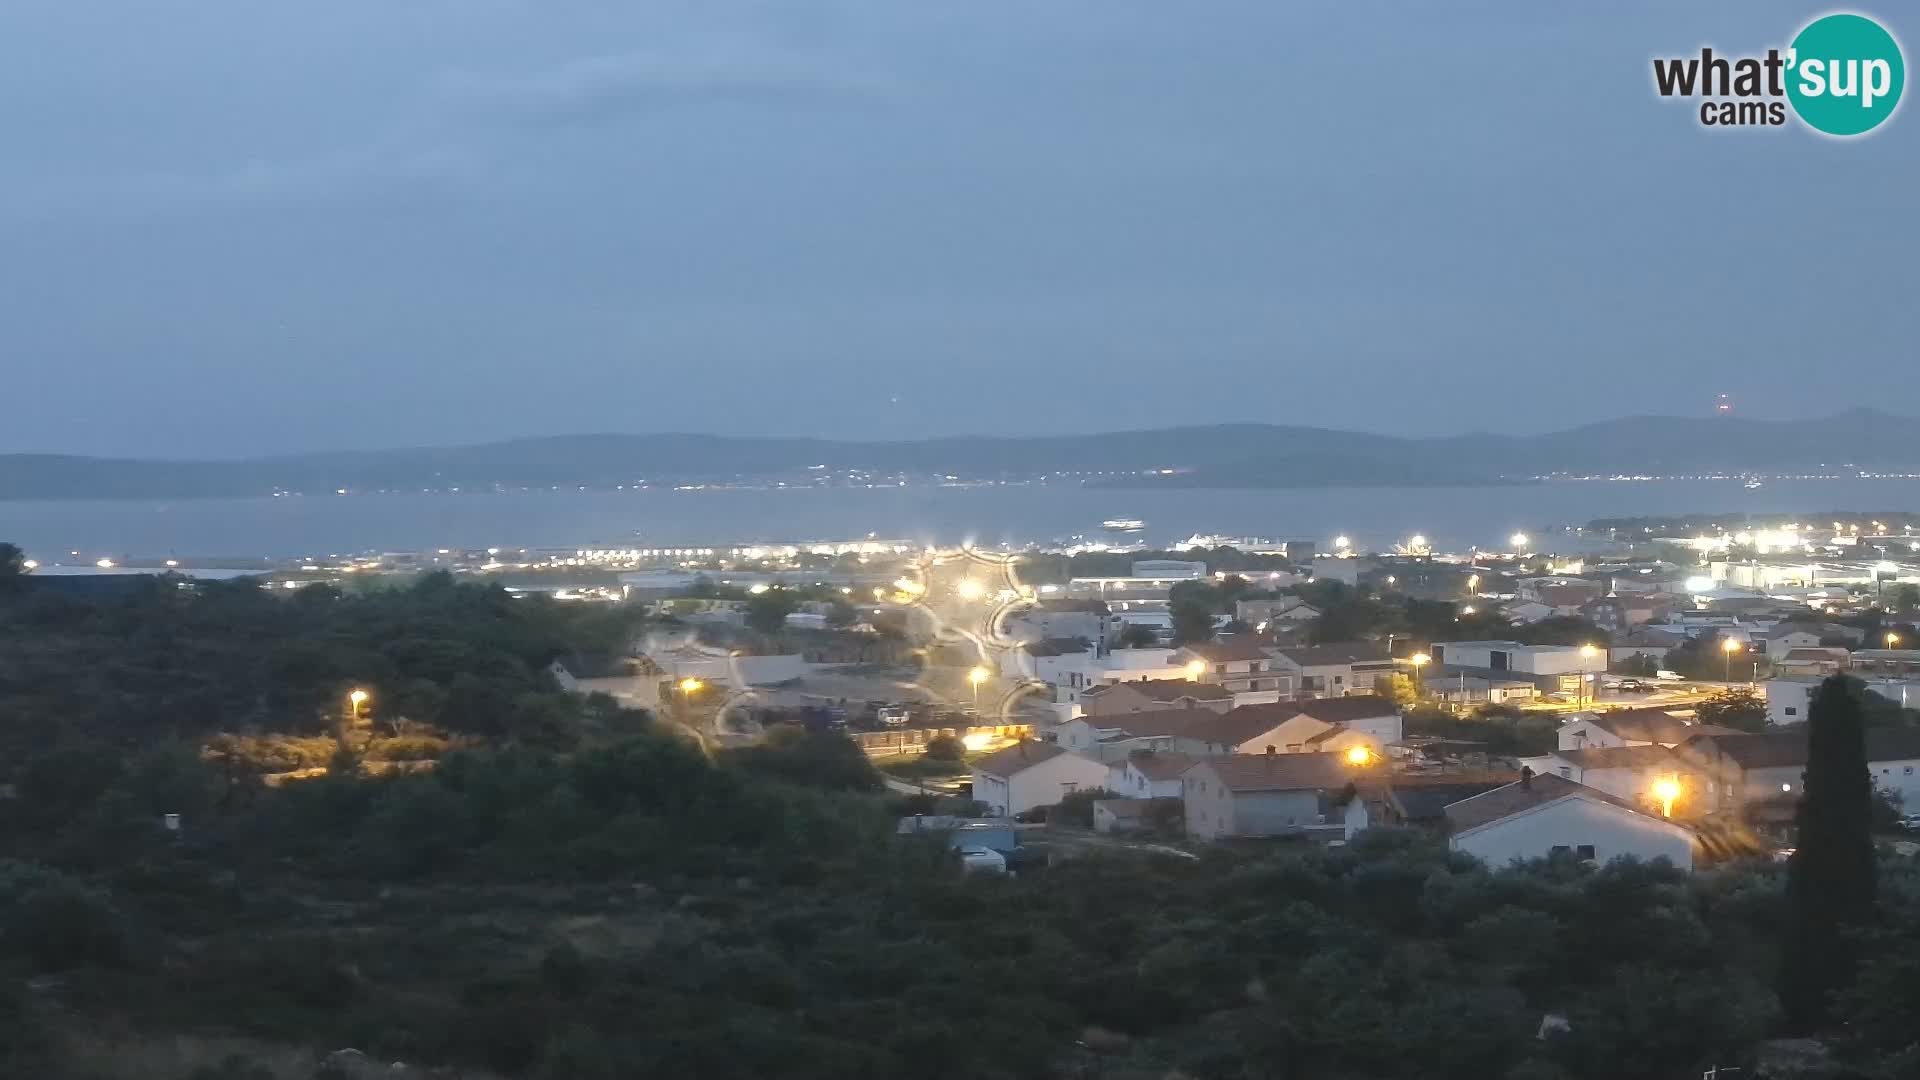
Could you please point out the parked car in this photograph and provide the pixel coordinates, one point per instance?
(895, 715)
(1634, 686)
(1911, 822)
(980, 860)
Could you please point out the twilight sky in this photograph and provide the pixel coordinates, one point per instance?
(250, 226)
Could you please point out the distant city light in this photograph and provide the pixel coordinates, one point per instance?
(759, 588)
(1519, 541)
(31, 565)
(1342, 543)
(104, 564)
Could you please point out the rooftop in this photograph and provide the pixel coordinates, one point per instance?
(1346, 652)
(1284, 772)
(1161, 764)
(1518, 797)
(1018, 758)
(1651, 725)
(1152, 723)
(1620, 757)
(1342, 710)
(1231, 650)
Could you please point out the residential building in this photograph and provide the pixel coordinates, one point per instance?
(1789, 696)
(1527, 611)
(1544, 816)
(1294, 727)
(1169, 569)
(1463, 689)
(1334, 670)
(1149, 774)
(1413, 800)
(1805, 635)
(1029, 774)
(1113, 737)
(1266, 794)
(1112, 699)
(1269, 609)
(1650, 726)
(1760, 775)
(1059, 618)
(1238, 663)
(1648, 641)
(1119, 815)
(1816, 661)
(1629, 773)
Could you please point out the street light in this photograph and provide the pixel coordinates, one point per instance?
(1358, 755)
(1419, 660)
(1519, 542)
(1195, 669)
(355, 699)
(1892, 639)
(1666, 791)
(1730, 646)
(1587, 652)
(976, 677)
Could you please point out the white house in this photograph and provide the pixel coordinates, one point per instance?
(1029, 774)
(1267, 794)
(1293, 727)
(1332, 670)
(1239, 664)
(1628, 773)
(1540, 816)
(1113, 737)
(1651, 726)
(1149, 774)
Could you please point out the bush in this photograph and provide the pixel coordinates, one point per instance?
(945, 748)
(50, 922)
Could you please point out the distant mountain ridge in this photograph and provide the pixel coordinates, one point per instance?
(1219, 456)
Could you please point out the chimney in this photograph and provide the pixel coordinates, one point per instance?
(1526, 778)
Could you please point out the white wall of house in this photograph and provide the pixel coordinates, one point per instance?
(1900, 778)
(1381, 729)
(1575, 823)
(1213, 812)
(1780, 644)
(1583, 734)
(1787, 698)
(1038, 785)
(1128, 782)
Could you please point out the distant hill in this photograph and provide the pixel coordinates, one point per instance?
(1220, 456)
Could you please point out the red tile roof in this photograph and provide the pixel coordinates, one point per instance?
(1018, 758)
(1284, 772)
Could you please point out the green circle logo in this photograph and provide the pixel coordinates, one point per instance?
(1845, 74)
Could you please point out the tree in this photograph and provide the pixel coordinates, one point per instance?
(1905, 597)
(1137, 636)
(945, 748)
(13, 562)
(1831, 877)
(1395, 687)
(1192, 625)
(1740, 709)
(767, 611)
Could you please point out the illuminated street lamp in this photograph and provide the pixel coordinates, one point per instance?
(1666, 791)
(976, 677)
(1730, 646)
(1893, 639)
(356, 698)
(1195, 669)
(1419, 660)
(1341, 543)
(1359, 755)
(1519, 542)
(1587, 652)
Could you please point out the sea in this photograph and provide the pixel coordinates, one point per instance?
(1551, 513)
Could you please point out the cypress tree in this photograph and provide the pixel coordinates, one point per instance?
(1830, 879)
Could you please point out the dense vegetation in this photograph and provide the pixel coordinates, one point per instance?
(590, 895)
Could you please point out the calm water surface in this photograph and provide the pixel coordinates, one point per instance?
(1453, 518)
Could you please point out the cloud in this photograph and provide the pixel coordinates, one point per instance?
(598, 87)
